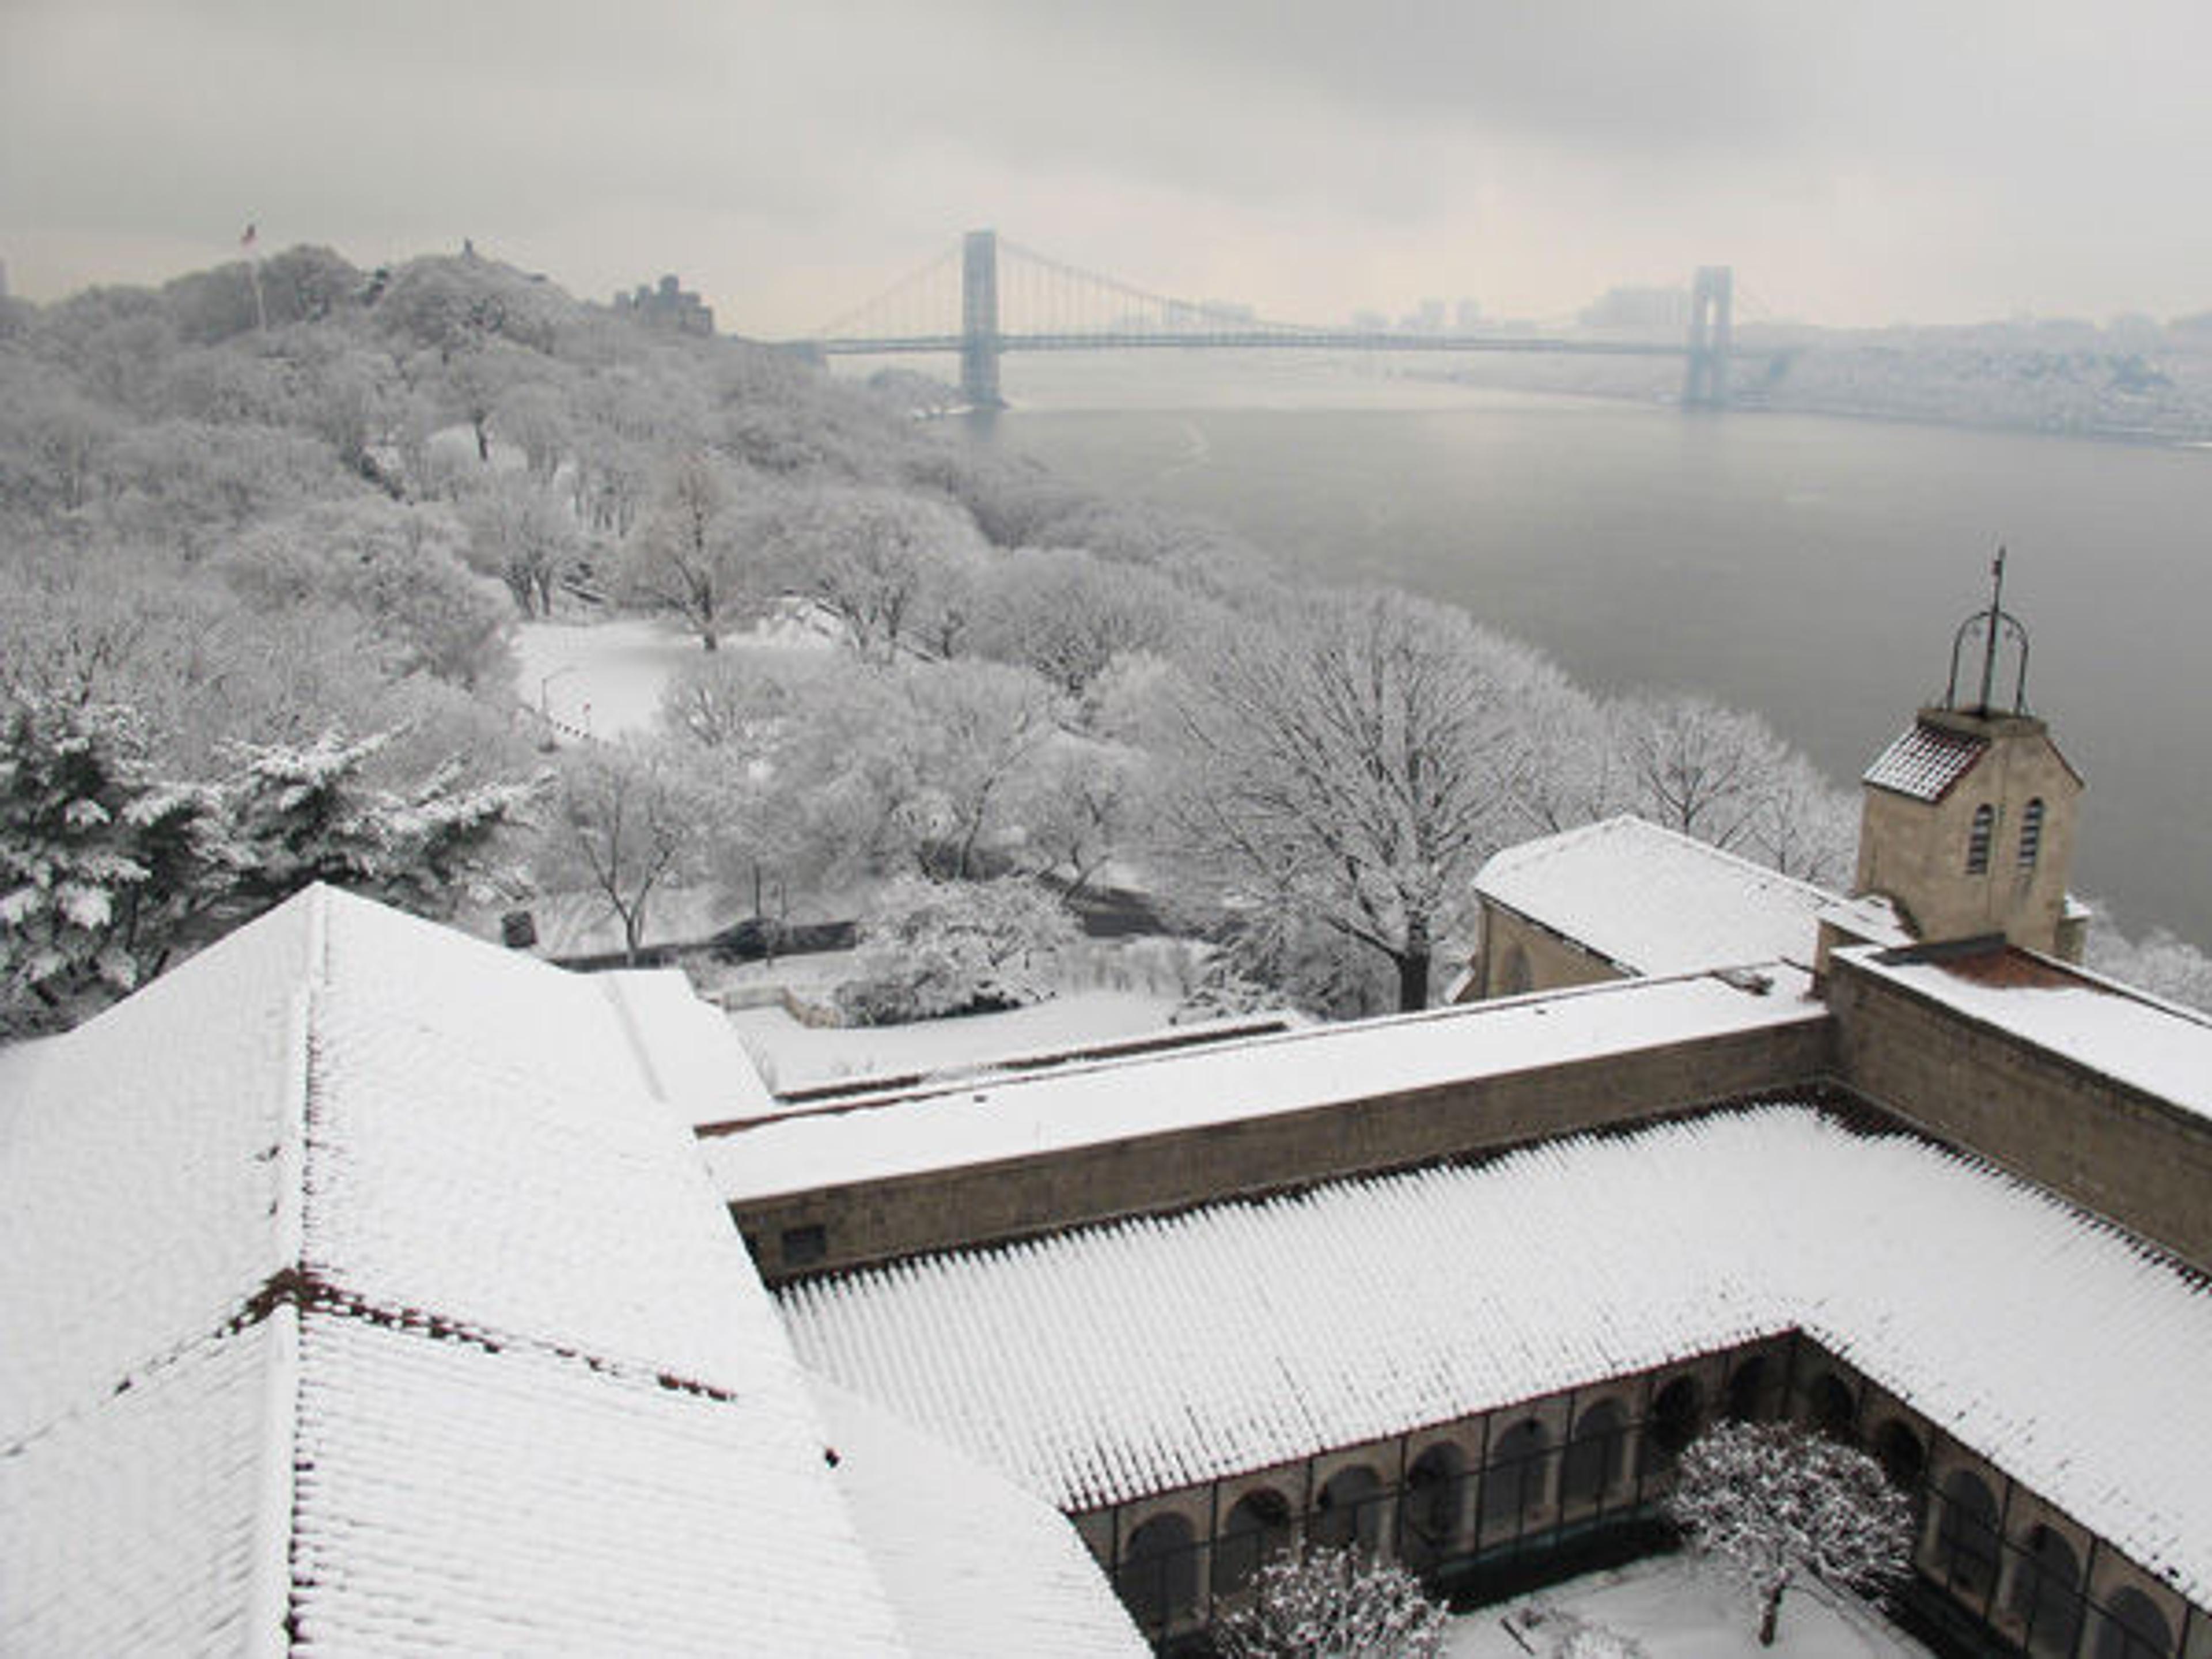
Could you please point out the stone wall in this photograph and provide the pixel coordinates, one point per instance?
(852, 1224)
(1521, 954)
(2127, 1155)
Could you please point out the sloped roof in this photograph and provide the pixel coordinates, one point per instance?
(1145, 1355)
(902, 1133)
(1925, 761)
(364, 1291)
(1654, 901)
(972, 1564)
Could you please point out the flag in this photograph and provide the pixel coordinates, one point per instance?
(246, 240)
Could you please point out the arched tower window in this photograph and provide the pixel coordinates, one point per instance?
(2031, 834)
(1978, 841)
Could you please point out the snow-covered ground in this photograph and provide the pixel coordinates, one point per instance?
(794, 1056)
(1678, 1611)
(605, 678)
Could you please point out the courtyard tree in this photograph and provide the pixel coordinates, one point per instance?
(1341, 765)
(1772, 1503)
(1334, 1604)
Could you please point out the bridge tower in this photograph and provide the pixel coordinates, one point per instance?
(979, 320)
(1712, 327)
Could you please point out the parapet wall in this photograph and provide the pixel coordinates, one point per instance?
(2127, 1154)
(855, 1223)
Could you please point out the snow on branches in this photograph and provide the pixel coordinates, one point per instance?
(1334, 1604)
(1769, 1502)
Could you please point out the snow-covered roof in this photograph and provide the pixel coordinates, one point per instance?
(691, 1056)
(361, 1279)
(2158, 1046)
(1298, 1070)
(1008, 1575)
(1654, 901)
(1871, 917)
(1145, 1355)
(1925, 761)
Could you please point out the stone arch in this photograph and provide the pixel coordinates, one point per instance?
(1594, 1452)
(1428, 1510)
(1259, 1525)
(1676, 1412)
(1159, 1575)
(1966, 1549)
(2046, 1594)
(1746, 1390)
(1902, 1457)
(1516, 1479)
(1831, 1409)
(2132, 1627)
(1349, 1511)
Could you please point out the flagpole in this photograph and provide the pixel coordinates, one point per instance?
(254, 275)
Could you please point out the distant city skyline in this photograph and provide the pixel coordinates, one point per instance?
(1949, 162)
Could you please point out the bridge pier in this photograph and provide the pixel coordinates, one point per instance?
(979, 320)
(1712, 304)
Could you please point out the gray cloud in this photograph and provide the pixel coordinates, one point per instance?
(1949, 158)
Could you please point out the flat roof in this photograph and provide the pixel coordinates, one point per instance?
(2129, 1035)
(1259, 1077)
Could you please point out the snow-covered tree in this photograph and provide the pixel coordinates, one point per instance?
(692, 556)
(1334, 1604)
(1772, 1503)
(1341, 764)
(930, 948)
(102, 863)
(1067, 615)
(627, 821)
(298, 814)
(874, 558)
(524, 535)
(1696, 767)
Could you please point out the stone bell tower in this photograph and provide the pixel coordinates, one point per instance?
(1969, 818)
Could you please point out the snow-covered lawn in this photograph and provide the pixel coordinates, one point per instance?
(793, 1056)
(1678, 1611)
(605, 678)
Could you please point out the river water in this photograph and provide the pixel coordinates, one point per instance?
(1811, 568)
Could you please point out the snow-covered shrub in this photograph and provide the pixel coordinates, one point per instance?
(1334, 1604)
(929, 948)
(1769, 1501)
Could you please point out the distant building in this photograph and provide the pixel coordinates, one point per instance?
(668, 307)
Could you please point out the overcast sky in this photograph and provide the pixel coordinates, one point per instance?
(1855, 160)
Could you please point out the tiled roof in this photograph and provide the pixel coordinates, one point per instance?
(1143, 1356)
(1009, 1577)
(1925, 762)
(363, 1280)
(1656, 902)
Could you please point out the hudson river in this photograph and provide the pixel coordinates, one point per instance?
(1813, 569)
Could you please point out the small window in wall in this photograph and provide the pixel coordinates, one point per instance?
(2031, 834)
(1977, 840)
(804, 1246)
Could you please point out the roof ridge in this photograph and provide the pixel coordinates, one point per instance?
(272, 1584)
